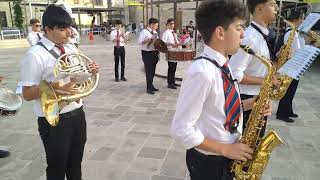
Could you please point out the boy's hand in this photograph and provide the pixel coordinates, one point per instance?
(268, 109)
(94, 67)
(238, 151)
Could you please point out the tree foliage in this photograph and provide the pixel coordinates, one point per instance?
(18, 15)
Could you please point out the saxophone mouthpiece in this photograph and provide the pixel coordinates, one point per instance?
(247, 49)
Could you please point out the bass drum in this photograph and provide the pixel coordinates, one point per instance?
(10, 102)
(177, 54)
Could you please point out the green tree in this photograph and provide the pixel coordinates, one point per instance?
(18, 16)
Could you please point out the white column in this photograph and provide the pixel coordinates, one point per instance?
(30, 9)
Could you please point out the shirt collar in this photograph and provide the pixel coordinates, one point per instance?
(263, 29)
(170, 30)
(151, 30)
(213, 54)
(47, 43)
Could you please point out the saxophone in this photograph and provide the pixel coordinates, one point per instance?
(75, 66)
(253, 169)
(278, 91)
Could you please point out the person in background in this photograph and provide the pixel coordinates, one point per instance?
(285, 110)
(150, 56)
(171, 40)
(190, 28)
(118, 40)
(75, 36)
(35, 35)
(247, 69)
(185, 39)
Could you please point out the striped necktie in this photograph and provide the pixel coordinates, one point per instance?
(232, 104)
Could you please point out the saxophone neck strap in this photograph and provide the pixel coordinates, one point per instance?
(231, 80)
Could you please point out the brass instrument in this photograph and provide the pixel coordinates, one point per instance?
(313, 35)
(10, 102)
(278, 91)
(253, 169)
(75, 66)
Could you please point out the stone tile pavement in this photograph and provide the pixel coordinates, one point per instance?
(128, 130)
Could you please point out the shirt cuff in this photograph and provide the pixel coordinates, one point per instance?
(27, 83)
(190, 140)
(239, 76)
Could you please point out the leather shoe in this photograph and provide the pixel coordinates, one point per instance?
(154, 89)
(150, 92)
(124, 79)
(294, 115)
(286, 119)
(171, 86)
(117, 80)
(4, 154)
(175, 84)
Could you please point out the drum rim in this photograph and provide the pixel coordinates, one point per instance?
(181, 50)
(14, 105)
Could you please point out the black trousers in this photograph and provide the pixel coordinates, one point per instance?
(172, 66)
(64, 145)
(285, 104)
(150, 60)
(208, 167)
(246, 115)
(119, 53)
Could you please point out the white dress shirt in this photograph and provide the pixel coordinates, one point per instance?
(33, 38)
(38, 65)
(144, 34)
(298, 41)
(168, 37)
(200, 110)
(113, 36)
(243, 63)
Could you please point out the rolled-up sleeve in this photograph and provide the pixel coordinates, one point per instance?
(30, 70)
(113, 35)
(32, 40)
(193, 94)
(240, 61)
(165, 37)
(141, 37)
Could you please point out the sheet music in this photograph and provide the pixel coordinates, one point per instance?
(309, 22)
(300, 62)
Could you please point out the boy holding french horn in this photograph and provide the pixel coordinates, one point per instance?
(63, 143)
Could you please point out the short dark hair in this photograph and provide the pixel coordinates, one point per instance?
(34, 20)
(153, 21)
(170, 20)
(118, 22)
(252, 4)
(218, 9)
(296, 14)
(55, 16)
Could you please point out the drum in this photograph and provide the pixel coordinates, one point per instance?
(181, 54)
(10, 102)
(160, 46)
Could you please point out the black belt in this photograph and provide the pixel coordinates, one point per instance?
(69, 114)
(150, 51)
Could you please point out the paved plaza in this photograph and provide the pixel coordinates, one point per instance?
(128, 130)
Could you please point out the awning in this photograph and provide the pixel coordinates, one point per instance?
(86, 10)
